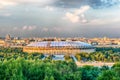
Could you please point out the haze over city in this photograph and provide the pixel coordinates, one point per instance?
(60, 18)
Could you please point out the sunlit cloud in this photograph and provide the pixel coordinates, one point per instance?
(77, 15)
(71, 17)
(5, 3)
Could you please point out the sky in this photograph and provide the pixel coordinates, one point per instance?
(60, 18)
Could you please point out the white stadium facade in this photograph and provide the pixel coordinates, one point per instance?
(59, 47)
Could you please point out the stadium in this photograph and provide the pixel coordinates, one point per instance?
(59, 47)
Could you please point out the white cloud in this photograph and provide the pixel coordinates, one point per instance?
(24, 28)
(73, 18)
(82, 10)
(49, 8)
(77, 15)
(29, 28)
(84, 21)
(54, 29)
(5, 3)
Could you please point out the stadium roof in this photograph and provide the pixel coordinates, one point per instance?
(76, 44)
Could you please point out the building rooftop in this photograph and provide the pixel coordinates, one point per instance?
(77, 44)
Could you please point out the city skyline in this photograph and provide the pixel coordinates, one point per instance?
(60, 18)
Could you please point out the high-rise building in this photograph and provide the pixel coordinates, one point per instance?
(7, 38)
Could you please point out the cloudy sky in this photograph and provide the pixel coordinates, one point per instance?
(60, 18)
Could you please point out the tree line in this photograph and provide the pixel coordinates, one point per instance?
(22, 69)
(18, 65)
(101, 54)
(106, 56)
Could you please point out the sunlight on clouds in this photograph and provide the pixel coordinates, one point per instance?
(73, 18)
(83, 9)
(77, 15)
(5, 3)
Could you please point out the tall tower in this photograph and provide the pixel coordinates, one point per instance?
(7, 38)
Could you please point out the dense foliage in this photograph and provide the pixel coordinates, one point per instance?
(22, 69)
(108, 49)
(17, 65)
(101, 54)
(107, 56)
(10, 50)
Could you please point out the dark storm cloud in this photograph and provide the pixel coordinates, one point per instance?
(92, 3)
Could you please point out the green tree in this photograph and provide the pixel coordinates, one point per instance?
(89, 72)
(51, 78)
(108, 75)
